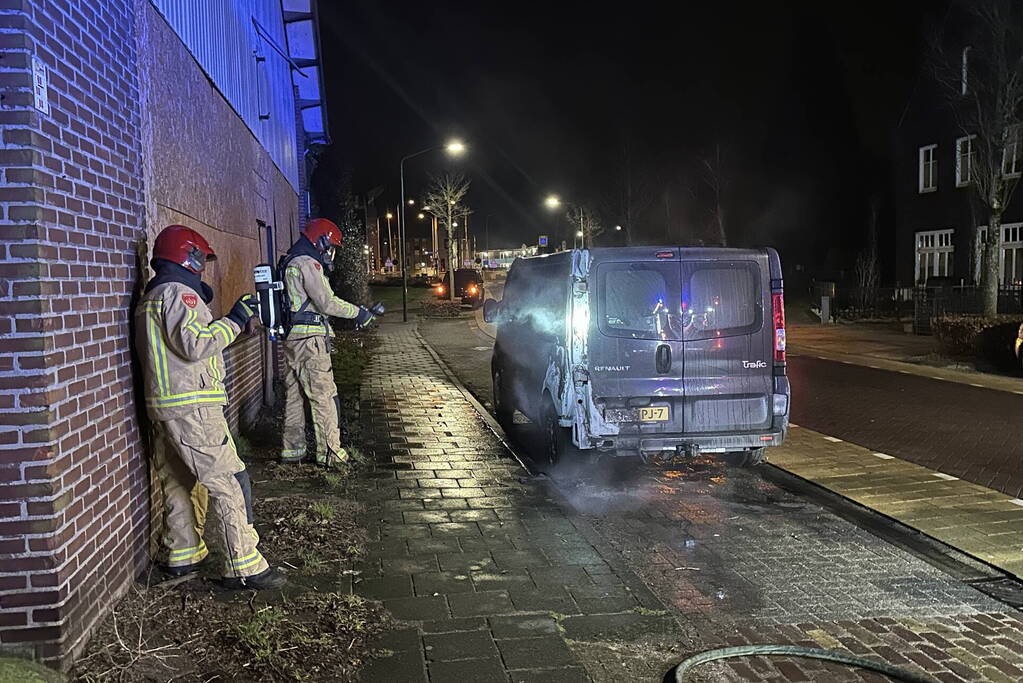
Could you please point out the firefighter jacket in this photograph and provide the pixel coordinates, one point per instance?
(180, 344)
(309, 294)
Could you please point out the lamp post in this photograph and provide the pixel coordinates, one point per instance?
(553, 202)
(454, 148)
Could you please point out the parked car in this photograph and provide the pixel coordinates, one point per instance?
(468, 287)
(645, 350)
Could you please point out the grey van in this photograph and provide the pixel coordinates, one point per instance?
(645, 350)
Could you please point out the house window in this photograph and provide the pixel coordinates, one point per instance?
(928, 168)
(964, 76)
(1012, 164)
(965, 157)
(1010, 260)
(934, 254)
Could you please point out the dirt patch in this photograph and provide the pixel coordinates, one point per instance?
(314, 629)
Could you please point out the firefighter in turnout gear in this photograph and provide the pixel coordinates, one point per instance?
(181, 354)
(311, 302)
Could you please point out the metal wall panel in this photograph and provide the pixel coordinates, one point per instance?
(222, 37)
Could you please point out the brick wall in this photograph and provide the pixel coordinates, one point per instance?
(136, 138)
(73, 492)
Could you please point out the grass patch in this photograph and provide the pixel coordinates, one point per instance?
(391, 297)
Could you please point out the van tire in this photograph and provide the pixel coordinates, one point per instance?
(557, 440)
(504, 409)
(750, 458)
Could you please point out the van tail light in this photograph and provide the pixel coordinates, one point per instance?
(778, 315)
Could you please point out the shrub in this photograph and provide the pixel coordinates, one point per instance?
(442, 309)
(978, 337)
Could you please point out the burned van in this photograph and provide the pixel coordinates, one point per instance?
(645, 350)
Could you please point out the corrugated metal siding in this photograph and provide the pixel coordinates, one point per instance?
(221, 36)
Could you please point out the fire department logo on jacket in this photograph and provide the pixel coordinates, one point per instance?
(190, 300)
(317, 266)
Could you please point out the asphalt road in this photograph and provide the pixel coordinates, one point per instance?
(969, 432)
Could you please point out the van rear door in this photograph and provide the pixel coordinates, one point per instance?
(727, 344)
(636, 360)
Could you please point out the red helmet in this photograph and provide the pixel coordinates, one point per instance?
(183, 246)
(323, 234)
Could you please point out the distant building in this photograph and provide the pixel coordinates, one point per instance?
(119, 118)
(937, 213)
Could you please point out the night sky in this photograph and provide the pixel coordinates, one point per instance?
(801, 98)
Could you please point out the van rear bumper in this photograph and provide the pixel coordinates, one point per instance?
(634, 443)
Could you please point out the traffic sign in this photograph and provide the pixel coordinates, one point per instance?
(543, 241)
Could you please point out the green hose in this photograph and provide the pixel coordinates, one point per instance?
(792, 651)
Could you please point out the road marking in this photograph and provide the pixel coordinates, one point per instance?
(832, 439)
(1017, 501)
(979, 386)
(946, 477)
(884, 456)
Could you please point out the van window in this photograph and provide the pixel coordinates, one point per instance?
(721, 299)
(639, 300)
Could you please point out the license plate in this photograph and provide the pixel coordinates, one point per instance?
(654, 414)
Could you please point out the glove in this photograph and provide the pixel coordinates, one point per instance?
(244, 310)
(377, 308)
(364, 317)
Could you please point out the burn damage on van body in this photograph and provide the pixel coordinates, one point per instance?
(639, 350)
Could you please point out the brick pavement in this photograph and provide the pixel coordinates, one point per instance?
(493, 578)
(497, 576)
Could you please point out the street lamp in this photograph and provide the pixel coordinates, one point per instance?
(618, 228)
(552, 201)
(454, 148)
(421, 215)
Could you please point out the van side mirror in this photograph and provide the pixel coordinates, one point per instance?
(491, 309)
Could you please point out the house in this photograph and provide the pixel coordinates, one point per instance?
(938, 214)
(119, 118)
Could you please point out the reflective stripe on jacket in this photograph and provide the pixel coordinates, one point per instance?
(181, 346)
(306, 281)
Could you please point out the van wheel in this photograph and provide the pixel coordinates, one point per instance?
(557, 440)
(750, 458)
(504, 409)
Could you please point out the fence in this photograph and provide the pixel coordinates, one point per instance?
(929, 302)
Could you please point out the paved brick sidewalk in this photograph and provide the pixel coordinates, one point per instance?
(500, 577)
(495, 580)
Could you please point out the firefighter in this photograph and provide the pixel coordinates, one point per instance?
(181, 352)
(307, 345)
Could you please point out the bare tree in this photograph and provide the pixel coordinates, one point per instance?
(631, 196)
(868, 274)
(445, 200)
(584, 221)
(983, 83)
(717, 180)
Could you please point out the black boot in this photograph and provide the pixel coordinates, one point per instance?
(265, 580)
(184, 569)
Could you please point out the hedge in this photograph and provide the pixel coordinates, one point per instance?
(442, 309)
(978, 337)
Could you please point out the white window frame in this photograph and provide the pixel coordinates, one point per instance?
(1012, 152)
(1011, 253)
(931, 165)
(964, 179)
(938, 251)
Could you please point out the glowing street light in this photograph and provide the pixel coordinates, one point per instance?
(421, 215)
(579, 233)
(389, 215)
(552, 201)
(411, 202)
(618, 228)
(454, 148)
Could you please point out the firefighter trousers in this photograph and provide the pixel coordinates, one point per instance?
(309, 376)
(193, 452)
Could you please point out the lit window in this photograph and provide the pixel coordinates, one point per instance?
(1012, 159)
(928, 168)
(964, 75)
(965, 157)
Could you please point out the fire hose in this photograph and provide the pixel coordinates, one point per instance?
(895, 673)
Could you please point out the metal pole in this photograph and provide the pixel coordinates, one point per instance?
(404, 270)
